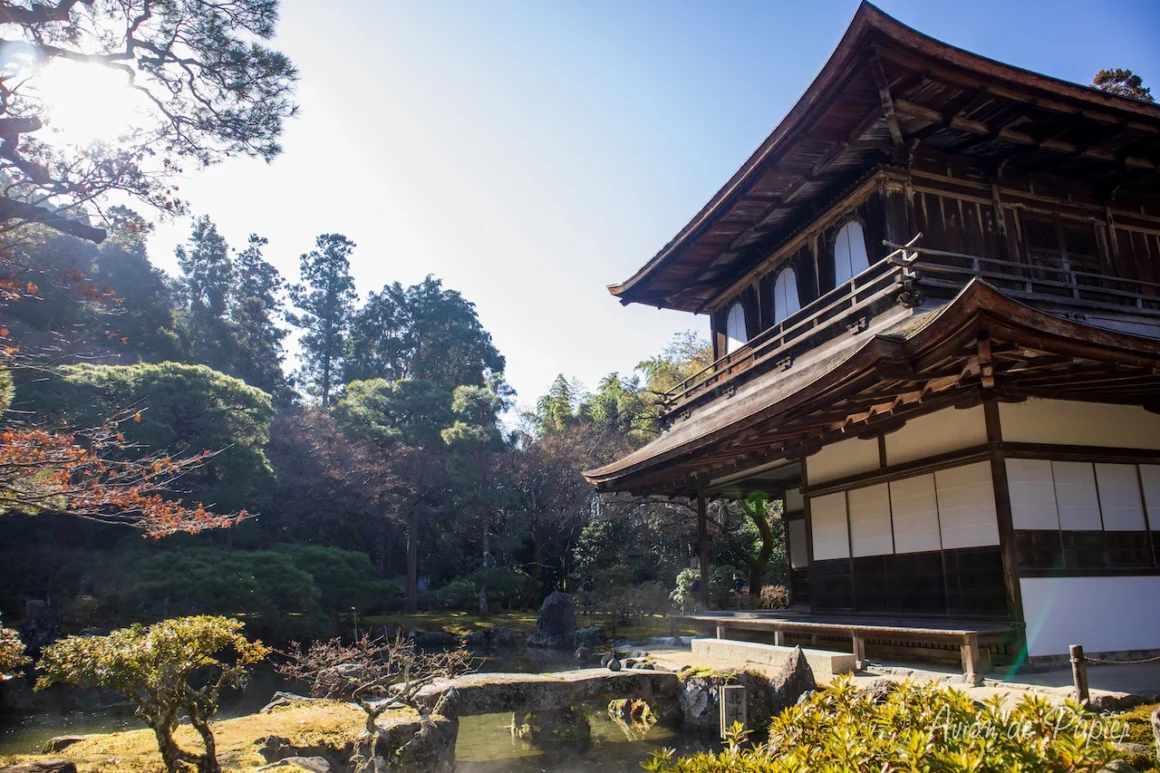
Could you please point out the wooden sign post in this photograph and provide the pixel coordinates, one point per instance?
(731, 699)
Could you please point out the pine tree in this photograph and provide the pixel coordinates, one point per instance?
(1123, 82)
(325, 300)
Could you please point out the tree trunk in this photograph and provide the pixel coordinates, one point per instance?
(757, 568)
(483, 611)
(209, 763)
(171, 754)
(413, 540)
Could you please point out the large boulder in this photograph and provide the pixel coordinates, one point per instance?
(41, 766)
(566, 725)
(312, 764)
(41, 626)
(60, 743)
(556, 624)
(793, 678)
(589, 637)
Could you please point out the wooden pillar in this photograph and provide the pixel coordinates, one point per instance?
(703, 539)
(859, 651)
(1003, 512)
(778, 637)
(972, 666)
(1079, 673)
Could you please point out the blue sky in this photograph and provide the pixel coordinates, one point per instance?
(530, 153)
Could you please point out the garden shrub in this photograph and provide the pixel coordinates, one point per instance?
(345, 579)
(153, 667)
(505, 588)
(461, 594)
(720, 586)
(916, 728)
(774, 597)
(290, 592)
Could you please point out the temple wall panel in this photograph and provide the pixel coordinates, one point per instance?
(1104, 614)
(842, 459)
(1064, 422)
(935, 433)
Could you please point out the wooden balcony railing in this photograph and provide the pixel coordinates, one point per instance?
(907, 274)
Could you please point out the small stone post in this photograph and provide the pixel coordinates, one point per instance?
(731, 699)
(1079, 673)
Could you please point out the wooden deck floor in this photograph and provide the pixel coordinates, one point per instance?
(968, 634)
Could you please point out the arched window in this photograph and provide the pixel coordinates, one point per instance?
(785, 295)
(735, 333)
(849, 253)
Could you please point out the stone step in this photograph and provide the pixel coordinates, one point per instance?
(825, 664)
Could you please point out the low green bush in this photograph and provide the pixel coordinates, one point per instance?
(291, 592)
(345, 579)
(505, 589)
(916, 728)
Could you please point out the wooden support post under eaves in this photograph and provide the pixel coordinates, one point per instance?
(703, 540)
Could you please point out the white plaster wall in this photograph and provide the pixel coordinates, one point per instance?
(1104, 614)
(870, 529)
(828, 521)
(838, 460)
(793, 501)
(966, 506)
(915, 512)
(797, 545)
(1066, 422)
(937, 433)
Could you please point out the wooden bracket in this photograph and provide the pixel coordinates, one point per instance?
(858, 325)
(986, 365)
(884, 97)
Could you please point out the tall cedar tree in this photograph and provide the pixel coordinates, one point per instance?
(208, 276)
(209, 87)
(1123, 82)
(325, 300)
(256, 309)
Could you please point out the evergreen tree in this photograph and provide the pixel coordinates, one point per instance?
(256, 309)
(1123, 82)
(475, 435)
(325, 300)
(421, 332)
(207, 279)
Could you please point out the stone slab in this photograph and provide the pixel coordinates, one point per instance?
(824, 663)
(491, 693)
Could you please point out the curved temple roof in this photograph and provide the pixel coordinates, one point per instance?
(843, 389)
(884, 86)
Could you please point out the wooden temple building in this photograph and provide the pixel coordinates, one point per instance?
(934, 294)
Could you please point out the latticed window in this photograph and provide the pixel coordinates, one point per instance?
(1059, 248)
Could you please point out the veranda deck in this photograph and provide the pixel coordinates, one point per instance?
(969, 635)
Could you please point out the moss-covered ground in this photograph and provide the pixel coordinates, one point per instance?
(463, 623)
(1139, 730)
(320, 724)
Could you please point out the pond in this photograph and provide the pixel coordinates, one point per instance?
(486, 745)
(485, 742)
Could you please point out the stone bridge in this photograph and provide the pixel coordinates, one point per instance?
(495, 693)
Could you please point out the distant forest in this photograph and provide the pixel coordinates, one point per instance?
(376, 476)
